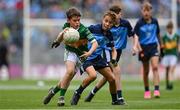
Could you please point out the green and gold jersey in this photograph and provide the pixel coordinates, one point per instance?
(170, 44)
(81, 45)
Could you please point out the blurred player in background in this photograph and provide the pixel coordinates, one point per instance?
(148, 32)
(95, 62)
(170, 43)
(120, 32)
(4, 61)
(73, 53)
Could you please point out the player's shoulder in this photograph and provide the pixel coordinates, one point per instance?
(66, 25)
(97, 28)
(82, 26)
(83, 29)
(154, 20)
(164, 36)
(124, 21)
(140, 21)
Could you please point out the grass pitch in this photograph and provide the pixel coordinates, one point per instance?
(25, 94)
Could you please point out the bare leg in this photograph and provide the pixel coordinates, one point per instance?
(107, 73)
(70, 72)
(154, 63)
(117, 74)
(101, 83)
(92, 76)
(145, 74)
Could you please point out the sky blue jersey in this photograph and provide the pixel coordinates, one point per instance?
(121, 33)
(147, 32)
(104, 38)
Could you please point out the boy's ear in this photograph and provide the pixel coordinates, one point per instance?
(68, 20)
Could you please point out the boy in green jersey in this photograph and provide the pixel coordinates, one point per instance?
(170, 51)
(73, 53)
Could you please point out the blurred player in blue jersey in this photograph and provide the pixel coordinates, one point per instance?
(120, 33)
(95, 62)
(148, 32)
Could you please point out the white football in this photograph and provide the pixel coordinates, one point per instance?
(71, 35)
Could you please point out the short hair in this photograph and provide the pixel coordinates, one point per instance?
(112, 15)
(169, 25)
(115, 8)
(71, 12)
(146, 5)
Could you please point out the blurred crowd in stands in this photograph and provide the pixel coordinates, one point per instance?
(94, 8)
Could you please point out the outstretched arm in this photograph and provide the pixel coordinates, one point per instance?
(136, 45)
(92, 49)
(114, 56)
(59, 39)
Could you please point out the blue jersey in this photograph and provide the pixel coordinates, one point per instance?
(147, 32)
(104, 38)
(121, 32)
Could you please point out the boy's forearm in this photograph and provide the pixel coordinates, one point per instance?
(93, 47)
(138, 44)
(135, 40)
(114, 53)
(59, 37)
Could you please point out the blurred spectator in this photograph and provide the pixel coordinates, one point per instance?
(11, 16)
(56, 12)
(4, 36)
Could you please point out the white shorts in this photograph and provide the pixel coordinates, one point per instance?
(169, 60)
(71, 56)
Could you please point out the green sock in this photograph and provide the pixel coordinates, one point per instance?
(56, 89)
(62, 92)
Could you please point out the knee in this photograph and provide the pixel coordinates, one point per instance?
(70, 73)
(155, 68)
(111, 79)
(93, 77)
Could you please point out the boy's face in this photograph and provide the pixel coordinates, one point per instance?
(107, 23)
(118, 16)
(74, 22)
(170, 30)
(146, 13)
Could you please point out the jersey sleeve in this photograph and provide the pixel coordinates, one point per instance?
(158, 29)
(66, 25)
(136, 29)
(89, 35)
(130, 30)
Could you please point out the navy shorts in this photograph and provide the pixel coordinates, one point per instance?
(148, 51)
(107, 54)
(97, 63)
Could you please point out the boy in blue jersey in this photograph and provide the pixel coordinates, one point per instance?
(147, 30)
(120, 32)
(96, 63)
